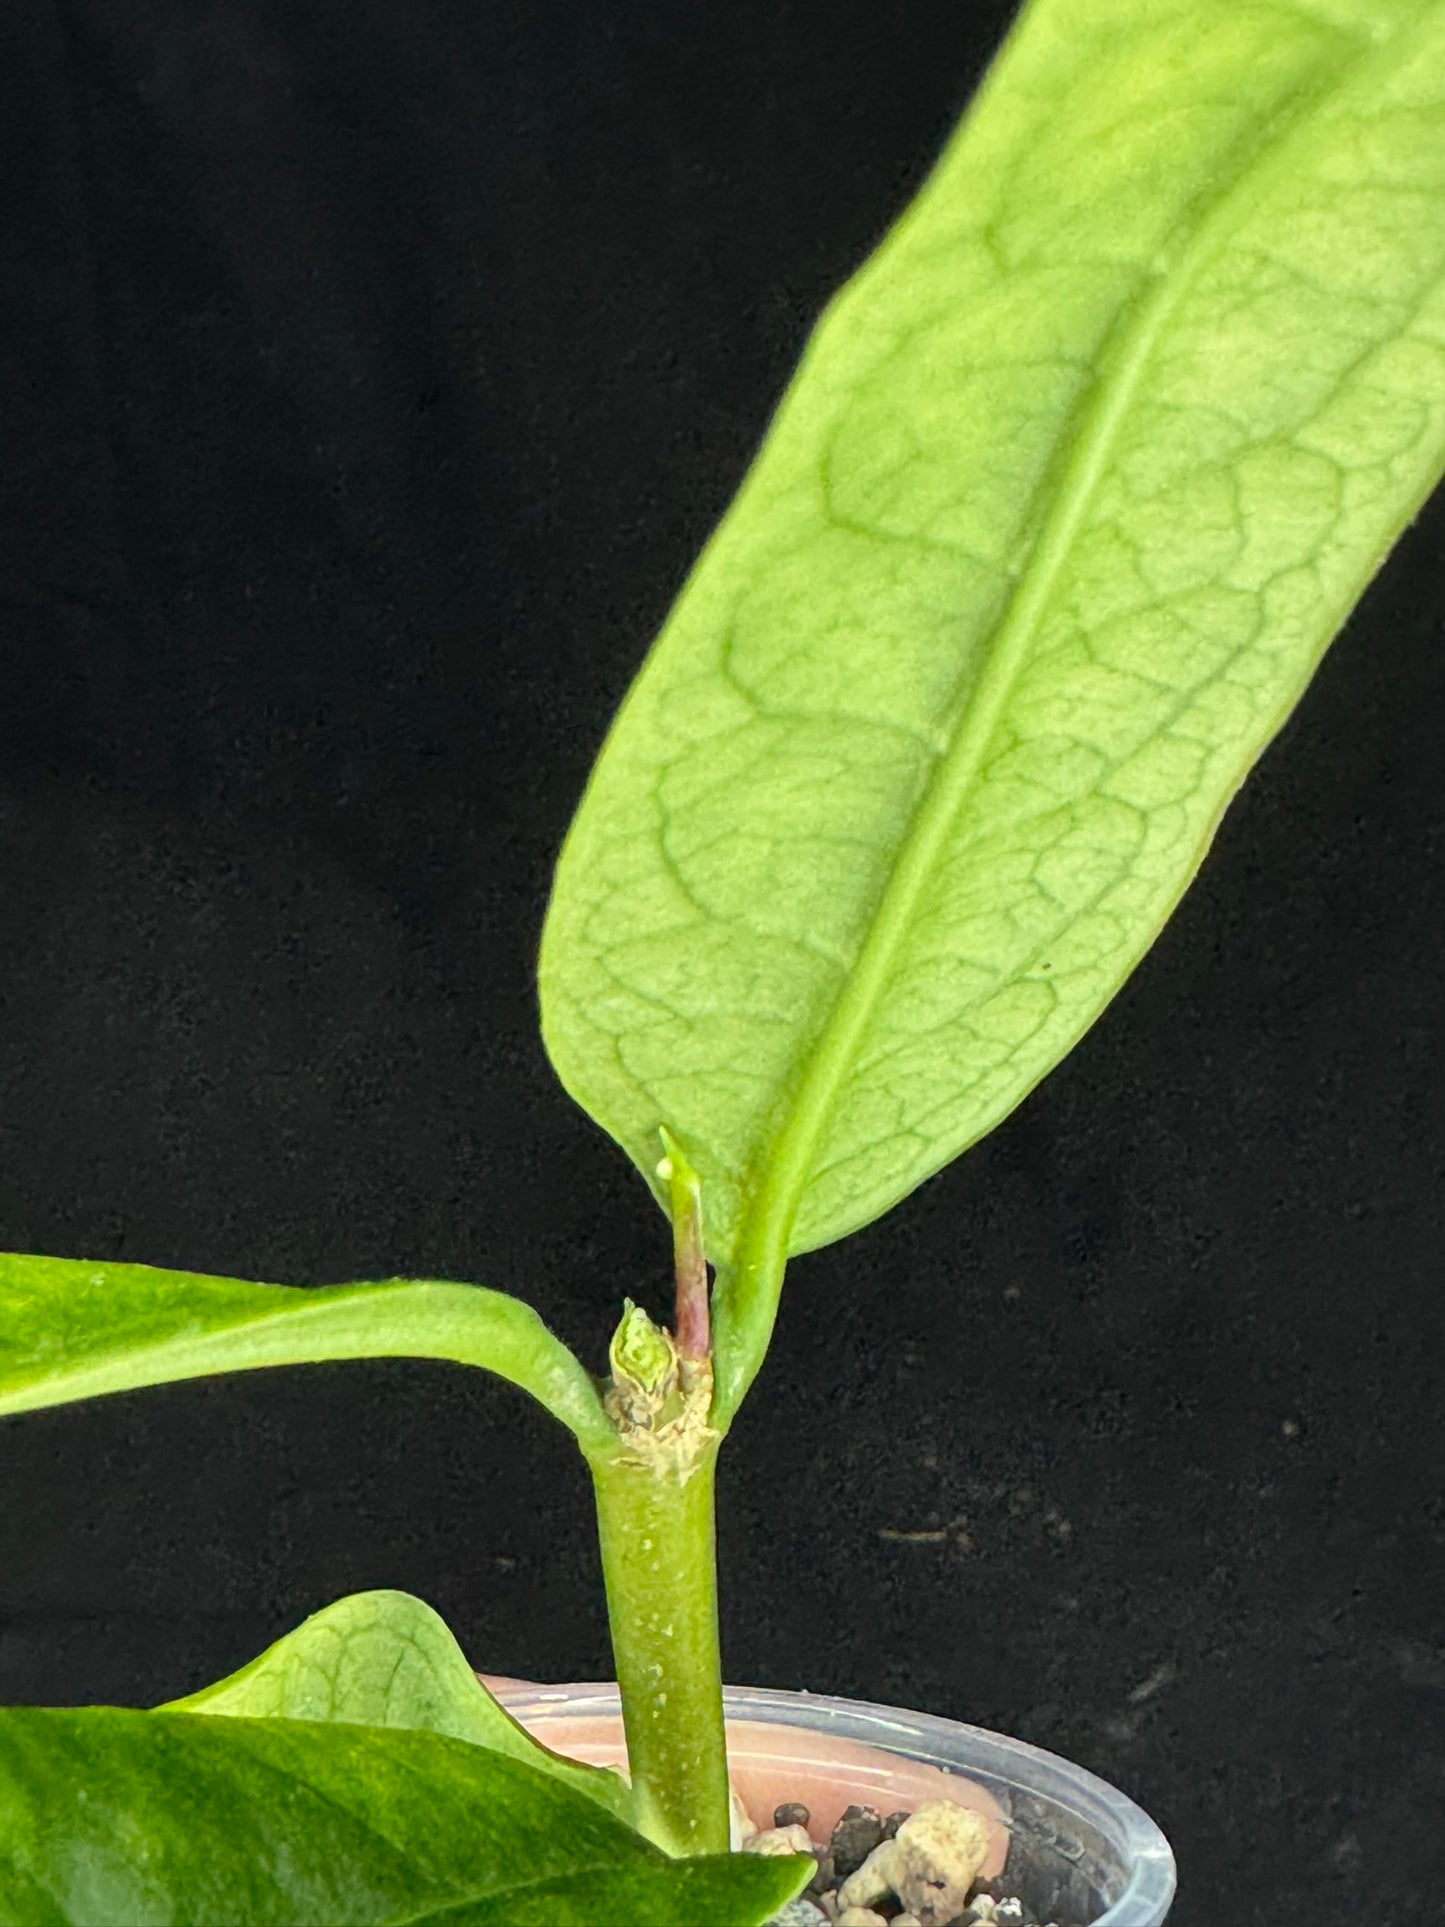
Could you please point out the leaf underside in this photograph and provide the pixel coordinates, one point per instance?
(387, 1659)
(1078, 478)
(110, 1816)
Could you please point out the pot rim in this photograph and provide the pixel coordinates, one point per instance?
(1141, 1844)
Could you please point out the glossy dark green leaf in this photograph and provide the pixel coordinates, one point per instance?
(386, 1659)
(701, 1894)
(111, 1818)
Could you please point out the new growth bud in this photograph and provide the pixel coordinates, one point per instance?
(642, 1353)
(644, 1366)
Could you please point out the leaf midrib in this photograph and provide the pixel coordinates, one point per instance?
(761, 1249)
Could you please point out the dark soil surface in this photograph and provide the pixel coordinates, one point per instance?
(862, 1829)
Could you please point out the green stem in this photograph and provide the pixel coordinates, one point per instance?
(744, 1308)
(689, 1261)
(655, 1521)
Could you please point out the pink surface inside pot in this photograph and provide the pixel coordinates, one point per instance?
(772, 1764)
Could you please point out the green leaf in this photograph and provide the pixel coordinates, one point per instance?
(110, 1816)
(1078, 478)
(70, 1329)
(386, 1659)
(701, 1894)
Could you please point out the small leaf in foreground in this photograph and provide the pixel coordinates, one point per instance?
(387, 1659)
(167, 1819)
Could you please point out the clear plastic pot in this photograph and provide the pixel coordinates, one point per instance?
(1076, 1847)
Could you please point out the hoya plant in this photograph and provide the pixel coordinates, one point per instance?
(1079, 476)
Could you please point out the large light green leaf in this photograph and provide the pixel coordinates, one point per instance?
(386, 1659)
(1078, 478)
(111, 1817)
(70, 1329)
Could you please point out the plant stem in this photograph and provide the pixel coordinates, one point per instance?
(691, 1325)
(655, 1522)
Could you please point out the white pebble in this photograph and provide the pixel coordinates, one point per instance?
(775, 1840)
(860, 1917)
(872, 1881)
(930, 1863)
(741, 1824)
(799, 1913)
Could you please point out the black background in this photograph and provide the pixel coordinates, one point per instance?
(371, 373)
